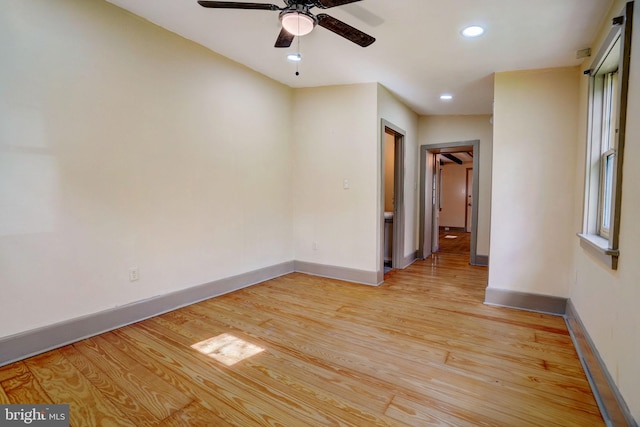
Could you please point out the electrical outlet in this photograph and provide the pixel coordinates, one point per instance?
(134, 274)
(315, 246)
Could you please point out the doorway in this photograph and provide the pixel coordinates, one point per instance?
(391, 240)
(450, 221)
(454, 189)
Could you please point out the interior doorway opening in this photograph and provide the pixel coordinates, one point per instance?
(455, 195)
(462, 224)
(392, 198)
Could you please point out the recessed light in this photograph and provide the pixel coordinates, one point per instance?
(294, 57)
(473, 31)
(446, 97)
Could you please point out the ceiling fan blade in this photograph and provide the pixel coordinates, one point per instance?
(285, 38)
(345, 30)
(237, 5)
(326, 4)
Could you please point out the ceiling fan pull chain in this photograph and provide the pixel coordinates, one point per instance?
(299, 53)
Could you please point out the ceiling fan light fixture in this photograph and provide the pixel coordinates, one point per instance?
(294, 57)
(446, 97)
(298, 24)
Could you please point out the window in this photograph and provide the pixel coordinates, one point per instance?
(608, 87)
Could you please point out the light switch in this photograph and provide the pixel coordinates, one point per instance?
(345, 184)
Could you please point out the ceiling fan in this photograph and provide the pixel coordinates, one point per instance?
(297, 20)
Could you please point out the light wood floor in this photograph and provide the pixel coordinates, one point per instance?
(419, 350)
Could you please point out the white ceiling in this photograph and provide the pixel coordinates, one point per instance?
(419, 52)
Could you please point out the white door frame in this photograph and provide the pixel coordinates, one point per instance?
(427, 175)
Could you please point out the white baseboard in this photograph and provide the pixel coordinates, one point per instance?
(410, 259)
(481, 260)
(525, 301)
(341, 273)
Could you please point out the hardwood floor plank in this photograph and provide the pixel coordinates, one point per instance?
(65, 384)
(4, 399)
(355, 334)
(25, 389)
(336, 327)
(120, 397)
(569, 389)
(440, 336)
(7, 373)
(328, 409)
(306, 402)
(12, 370)
(560, 340)
(441, 308)
(352, 321)
(194, 415)
(420, 415)
(334, 380)
(267, 370)
(155, 396)
(166, 369)
(255, 401)
(297, 342)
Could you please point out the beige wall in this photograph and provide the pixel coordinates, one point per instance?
(335, 138)
(606, 300)
(124, 145)
(444, 129)
(454, 194)
(532, 233)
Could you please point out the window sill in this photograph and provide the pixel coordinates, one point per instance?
(600, 247)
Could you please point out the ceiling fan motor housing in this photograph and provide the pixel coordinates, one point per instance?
(297, 19)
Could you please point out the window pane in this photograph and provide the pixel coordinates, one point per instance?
(609, 102)
(613, 113)
(608, 190)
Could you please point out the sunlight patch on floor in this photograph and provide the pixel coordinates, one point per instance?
(227, 348)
